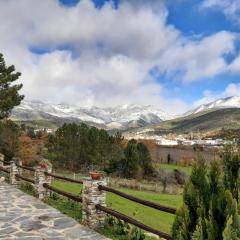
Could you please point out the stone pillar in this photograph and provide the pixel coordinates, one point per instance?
(40, 179)
(1, 160)
(20, 170)
(49, 178)
(13, 172)
(91, 196)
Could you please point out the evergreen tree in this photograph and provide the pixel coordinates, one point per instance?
(231, 163)
(9, 143)
(130, 163)
(145, 160)
(232, 229)
(208, 205)
(9, 96)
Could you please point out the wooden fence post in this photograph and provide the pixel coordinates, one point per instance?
(91, 196)
(40, 179)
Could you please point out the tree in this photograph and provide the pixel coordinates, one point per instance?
(145, 160)
(231, 159)
(9, 96)
(130, 163)
(27, 149)
(137, 161)
(9, 134)
(208, 204)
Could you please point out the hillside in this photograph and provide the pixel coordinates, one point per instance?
(228, 118)
(121, 117)
(228, 102)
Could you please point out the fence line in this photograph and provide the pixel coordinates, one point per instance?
(5, 162)
(63, 178)
(26, 168)
(98, 206)
(138, 200)
(25, 178)
(61, 192)
(132, 221)
(4, 170)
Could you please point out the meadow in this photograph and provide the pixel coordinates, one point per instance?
(171, 167)
(154, 218)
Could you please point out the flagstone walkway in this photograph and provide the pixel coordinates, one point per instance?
(24, 217)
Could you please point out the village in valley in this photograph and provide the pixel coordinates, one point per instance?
(178, 140)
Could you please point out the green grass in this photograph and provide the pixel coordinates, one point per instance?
(66, 206)
(171, 167)
(154, 218)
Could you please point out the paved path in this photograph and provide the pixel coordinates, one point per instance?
(24, 217)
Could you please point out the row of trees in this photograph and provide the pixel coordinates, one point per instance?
(81, 147)
(211, 197)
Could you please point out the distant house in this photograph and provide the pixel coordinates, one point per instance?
(167, 142)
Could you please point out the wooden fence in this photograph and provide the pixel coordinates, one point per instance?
(98, 207)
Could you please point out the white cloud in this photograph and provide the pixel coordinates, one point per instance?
(106, 53)
(231, 8)
(234, 67)
(232, 89)
(200, 58)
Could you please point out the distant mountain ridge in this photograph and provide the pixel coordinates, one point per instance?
(205, 121)
(229, 102)
(223, 113)
(121, 117)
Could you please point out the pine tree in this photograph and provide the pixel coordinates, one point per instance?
(209, 205)
(145, 160)
(232, 229)
(130, 163)
(181, 224)
(9, 96)
(231, 162)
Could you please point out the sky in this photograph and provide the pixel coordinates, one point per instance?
(172, 54)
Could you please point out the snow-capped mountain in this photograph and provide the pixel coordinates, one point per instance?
(229, 102)
(118, 117)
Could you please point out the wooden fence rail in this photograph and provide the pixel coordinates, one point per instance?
(4, 170)
(64, 178)
(132, 221)
(138, 200)
(61, 192)
(5, 162)
(25, 178)
(26, 168)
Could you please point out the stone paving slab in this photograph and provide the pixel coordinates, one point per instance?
(24, 217)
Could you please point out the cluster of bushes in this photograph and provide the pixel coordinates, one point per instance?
(211, 197)
(80, 147)
(118, 229)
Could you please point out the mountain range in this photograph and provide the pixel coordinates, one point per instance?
(122, 117)
(229, 102)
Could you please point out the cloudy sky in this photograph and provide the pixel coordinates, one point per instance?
(172, 54)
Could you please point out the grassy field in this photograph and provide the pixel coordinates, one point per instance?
(151, 217)
(171, 167)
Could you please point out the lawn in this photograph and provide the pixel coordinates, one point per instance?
(171, 167)
(154, 218)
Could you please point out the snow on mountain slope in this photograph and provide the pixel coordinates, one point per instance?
(229, 102)
(116, 117)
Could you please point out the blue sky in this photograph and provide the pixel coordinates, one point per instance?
(172, 54)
